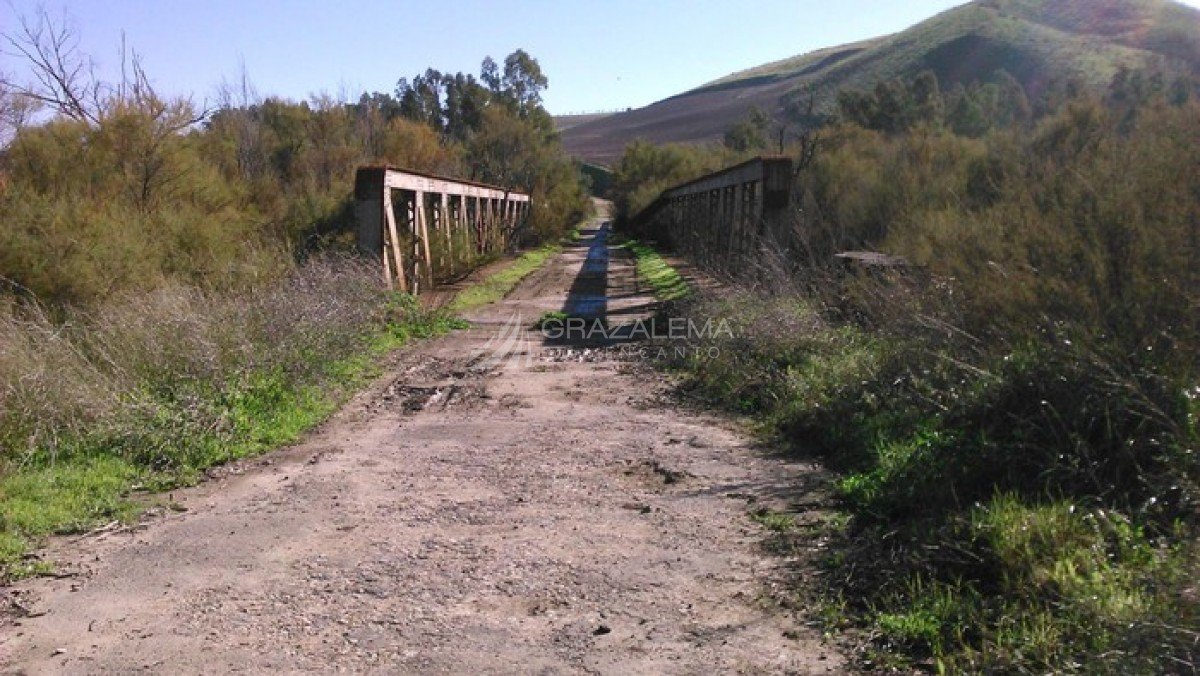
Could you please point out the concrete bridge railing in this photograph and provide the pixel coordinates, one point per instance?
(425, 228)
(719, 219)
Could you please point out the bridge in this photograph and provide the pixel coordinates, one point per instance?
(427, 229)
(720, 218)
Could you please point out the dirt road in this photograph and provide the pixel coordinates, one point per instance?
(495, 504)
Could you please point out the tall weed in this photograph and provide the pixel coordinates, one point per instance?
(151, 389)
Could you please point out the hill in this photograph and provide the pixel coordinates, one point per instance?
(1040, 42)
(564, 122)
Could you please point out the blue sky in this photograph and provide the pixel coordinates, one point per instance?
(598, 55)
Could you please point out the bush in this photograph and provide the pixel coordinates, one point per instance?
(645, 170)
(1014, 417)
(1023, 509)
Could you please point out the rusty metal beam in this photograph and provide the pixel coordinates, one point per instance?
(719, 219)
(425, 203)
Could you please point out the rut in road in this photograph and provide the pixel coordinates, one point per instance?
(550, 511)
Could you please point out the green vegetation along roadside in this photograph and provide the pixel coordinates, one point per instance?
(995, 522)
(653, 269)
(173, 293)
(501, 282)
(102, 411)
(1014, 419)
(498, 285)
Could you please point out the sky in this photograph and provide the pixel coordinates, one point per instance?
(606, 55)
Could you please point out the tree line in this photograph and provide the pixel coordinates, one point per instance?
(123, 188)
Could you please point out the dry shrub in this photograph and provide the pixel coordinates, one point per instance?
(49, 389)
(98, 373)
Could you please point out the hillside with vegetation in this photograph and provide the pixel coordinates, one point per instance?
(1047, 45)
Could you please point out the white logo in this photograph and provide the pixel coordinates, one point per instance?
(509, 346)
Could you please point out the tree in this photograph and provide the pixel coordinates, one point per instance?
(646, 169)
(372, 114)
(415, 146)
(15, 111)
(465, 100)
(523, 83)
(927, 98)
(894, 108)
(421, 101)
(967, 115)
(141, 124)
(489, 73)
(1014, 109)
(504, 150)
(799, 114)
(857, 108)
(453, 104)
(749, 133)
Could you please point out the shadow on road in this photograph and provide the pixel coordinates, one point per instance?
(588, 297)
(590, 322)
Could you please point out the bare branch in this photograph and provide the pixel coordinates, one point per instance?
(63, 78)
(809, 135)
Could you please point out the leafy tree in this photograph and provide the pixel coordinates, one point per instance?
(421, 101)
(523, 84)
(857, 108)
(967, 115)
(749, 133)
(645, 170)
(504, 150)
(16, 110)
(385, 104)
(465, 101)
(489, 73)
(927, 99)
(894, 107)
(1014, 108)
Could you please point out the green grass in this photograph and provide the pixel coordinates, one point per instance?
(103, 476)
(653, 269)
(499, 284)
(1073, 586)
(779, 522)
(67, 497)
(556, 317)
(166, 439)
